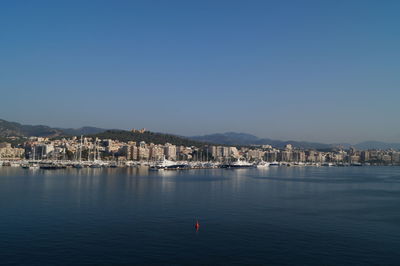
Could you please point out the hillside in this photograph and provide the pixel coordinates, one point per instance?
(8, 129)
(377, 145)
(148, 137)
(81, 131)
(13, 129)
(229, 138)
(232, 138)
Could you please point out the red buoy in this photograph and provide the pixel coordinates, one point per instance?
(197, 225)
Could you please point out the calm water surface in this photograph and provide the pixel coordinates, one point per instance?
(280, 215)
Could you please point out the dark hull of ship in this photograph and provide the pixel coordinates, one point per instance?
(52, 167)
(177, 166)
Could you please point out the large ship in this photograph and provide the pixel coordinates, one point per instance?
(238, 164)
(168, 165)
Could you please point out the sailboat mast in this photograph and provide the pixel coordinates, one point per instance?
(80, 150)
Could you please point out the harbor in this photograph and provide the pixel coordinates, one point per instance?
(160, 165)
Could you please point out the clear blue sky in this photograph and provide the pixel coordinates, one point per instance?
(305, 70)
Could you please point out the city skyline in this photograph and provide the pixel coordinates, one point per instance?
(107, 152)
(309, 71)
(228, 138)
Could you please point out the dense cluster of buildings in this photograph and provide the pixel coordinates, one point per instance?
(292, 155)
(6, 151)
(87, 149)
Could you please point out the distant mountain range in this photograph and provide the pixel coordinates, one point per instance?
(9, 129)
(233, 138)
(12, 129)
(244, 139)
(366, 145)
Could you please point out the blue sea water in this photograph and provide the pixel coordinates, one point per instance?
(275, 216)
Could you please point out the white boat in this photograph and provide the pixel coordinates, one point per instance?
(30, 166)
(34, 166)
(262, 165)
(168, 165)
(238, 164)
(14, 164)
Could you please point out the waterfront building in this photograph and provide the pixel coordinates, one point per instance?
(42, 151)
(213, 152)
(156, 152)
(271, 156)
(233, 152)
(220, 153)
(286, 155)
(395, 157)
(112, 146)
(170, 151)
(320, 157)
(364, 156)
(354, 159)
(310, 155)
(134, 152)
(298, 156)
(143, 153)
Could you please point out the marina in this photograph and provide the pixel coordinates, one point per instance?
(159, 165)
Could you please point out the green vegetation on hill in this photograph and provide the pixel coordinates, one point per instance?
(8, 129)
(148, 137)
(12, 129)
(14, 142)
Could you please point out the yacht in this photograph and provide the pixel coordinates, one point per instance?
(262, 164)
(30, 166)
(238, 164)
(168, 165)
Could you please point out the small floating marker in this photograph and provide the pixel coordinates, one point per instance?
(197, 225)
